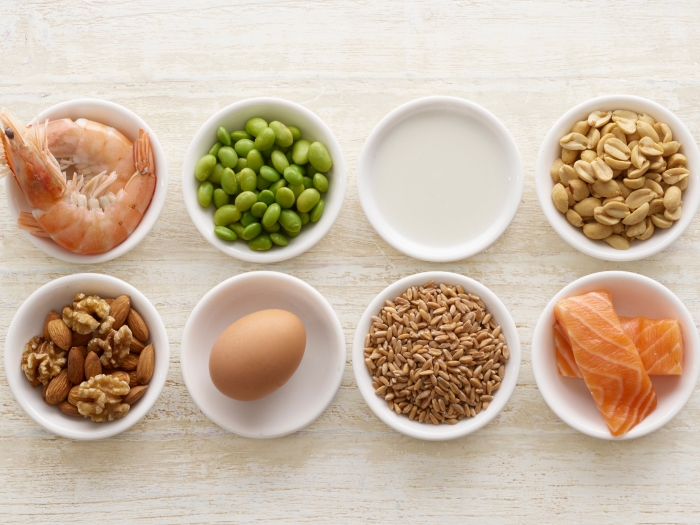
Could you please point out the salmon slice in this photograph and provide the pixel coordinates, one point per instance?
(608, 360)
(659, 343)
(565, 355)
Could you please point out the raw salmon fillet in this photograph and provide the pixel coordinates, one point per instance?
(659, 343)
(565, 355)
(608, 360)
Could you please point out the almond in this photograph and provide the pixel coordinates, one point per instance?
(133, 380)
(60, 334)
(144, 370)
(83, 351)
(124, 376)
(53, 315)
(58, 388)
(81, 339)
(134, 394)
(93, 366)
(73, 395)
(108, 300)
(119, 309)
(68, 409)
(136, 345)
(130, 362)
(76, 366)
(137, 325)
(44, 388)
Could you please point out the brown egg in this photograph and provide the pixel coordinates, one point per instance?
(257, 354)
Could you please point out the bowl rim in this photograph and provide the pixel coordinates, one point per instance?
(576, 239)
(101, 431)
(155, 208)
(330, 214)
(544, 324)
(402, 424)
(185, 352)
(389, 234)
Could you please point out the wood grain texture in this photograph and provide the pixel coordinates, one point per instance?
(175, 63)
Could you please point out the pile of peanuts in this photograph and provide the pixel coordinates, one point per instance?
(619, 177)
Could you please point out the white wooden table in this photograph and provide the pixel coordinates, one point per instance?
(175, 63)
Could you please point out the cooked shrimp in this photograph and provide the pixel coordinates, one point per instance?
(92, 212)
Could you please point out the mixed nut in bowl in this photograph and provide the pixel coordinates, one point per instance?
(436, 355)
(86, 356)
(617, 177)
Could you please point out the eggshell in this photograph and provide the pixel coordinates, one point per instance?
(257, 354)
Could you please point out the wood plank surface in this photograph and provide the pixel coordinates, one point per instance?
(175, 63)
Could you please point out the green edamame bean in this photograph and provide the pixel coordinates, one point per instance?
(319, 157)
(255, 125)
(247, 179)
(221, 198)
(226, 215)
(279, 239)
(283, 149)
(223, 136)
(296, 134)
(300, 151)
(267, 197)
(248, 219)
(285, 197)
(289, 157)
(291, 235)
(293, 176)
(228, 157)
(311, 171)
(272, 229)
(265, 139)
(261, 243)
(272, 215)
(242, 163)
(277, 185)
(204, 167)
(279, 161)
(300, 169)
(222, 232)
(283, 137)
(308, 182)
(245, 200)
(320, 182)
(251, 231)
(243, 147)
(307, 200)
(228, 181)
(258, 210)
(268, 173)
(238, 135)
(215, 149)
(205, 193)
(304, 218)
(216, 173)
(262, 183)
(290, 221)
(316, 213)
(255, 160)
(297, 190)
(267, 153)
(237, 227)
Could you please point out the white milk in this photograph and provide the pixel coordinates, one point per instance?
(440, 178)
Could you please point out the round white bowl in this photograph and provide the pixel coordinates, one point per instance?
(371, 197)
(234, 117)
(633, 295)
(550, 151)
(427, 431)
(127, 123)
(29, 321)
(312, 387)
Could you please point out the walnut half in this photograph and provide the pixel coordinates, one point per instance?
(81, 317)
(120, 343)
(42, 360)
(100, 398)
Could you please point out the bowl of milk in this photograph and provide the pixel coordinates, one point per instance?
(440, 178)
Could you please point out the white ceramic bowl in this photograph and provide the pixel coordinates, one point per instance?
(312, 387)
(29, 321)
(127, 123)
(550, 151)
(424, 430)
(374, 202)
(234, 117)
(632, 295)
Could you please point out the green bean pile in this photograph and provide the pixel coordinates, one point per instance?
(266, 183)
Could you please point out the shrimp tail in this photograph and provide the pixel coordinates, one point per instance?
(27, 222)
(143, 154)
